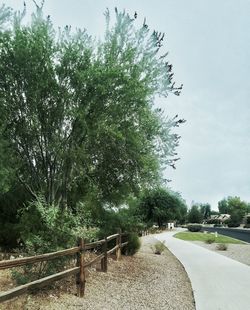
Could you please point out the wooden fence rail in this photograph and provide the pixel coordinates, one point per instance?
(79, 270)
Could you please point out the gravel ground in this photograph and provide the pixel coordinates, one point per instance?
(239, 252)
(144, 281)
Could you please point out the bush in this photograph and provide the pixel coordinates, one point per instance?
(235, 220)
(210, 240)
(222, 247)
(248, 220)
(194, 227)
(134, 244)
(158, 247)
(233, 224)
(47, 228)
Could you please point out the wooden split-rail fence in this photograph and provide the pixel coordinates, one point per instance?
(78, 270)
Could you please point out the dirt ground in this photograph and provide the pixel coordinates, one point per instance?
(144, 281)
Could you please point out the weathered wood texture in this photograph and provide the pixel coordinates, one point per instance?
(81, 286)
(104, 261)
(79, 270)
(37, 284)
(35, 259)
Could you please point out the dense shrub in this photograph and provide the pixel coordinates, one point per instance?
(235, 220)
(248, 220)
(10, 204)
(9, 235)
(194, 227)
(48, 228)
(194, 215)
(134, 244)
(233, 224)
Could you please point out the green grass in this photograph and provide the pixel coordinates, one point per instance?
(197, 236)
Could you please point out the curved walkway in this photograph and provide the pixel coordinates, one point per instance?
(219, 283)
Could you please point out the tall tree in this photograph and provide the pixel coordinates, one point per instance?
(205, 210)
(161, 205)
(194, 214)
(233, 205)
(78, 114)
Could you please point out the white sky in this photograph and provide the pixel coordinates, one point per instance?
(209, 46)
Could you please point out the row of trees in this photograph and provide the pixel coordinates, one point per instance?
(234, 206)
(78, 126)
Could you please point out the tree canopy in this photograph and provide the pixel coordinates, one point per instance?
(233, 205)
(194, 214)
(161, 205)
(77, 114)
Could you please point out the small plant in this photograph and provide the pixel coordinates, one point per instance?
(210, 240)
(194, 227)
(158, 247)
(221, 247)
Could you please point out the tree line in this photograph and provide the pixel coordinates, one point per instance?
(236, 208)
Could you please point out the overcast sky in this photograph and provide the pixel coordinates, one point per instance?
(209, 47)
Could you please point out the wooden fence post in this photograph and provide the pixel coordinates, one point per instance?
(81, 275)
(104, 261)
(118, 244)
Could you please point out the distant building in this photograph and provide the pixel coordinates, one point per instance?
(220, 218)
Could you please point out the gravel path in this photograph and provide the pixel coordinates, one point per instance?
(145, 281)
(239, 252)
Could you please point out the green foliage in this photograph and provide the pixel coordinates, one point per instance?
(161, 205)
(78, 127)
(69, 103)
(194, 227)
(10, 204)
(210, 239)
(233, 223)
(47, 228)
(197, 236)
(223, 206)
(158, 247)
(213, 212)
(235, 219)
(134, 244)
(154, 230)
(5, 16)
(205, 210)
(194, 215)
(233, 206)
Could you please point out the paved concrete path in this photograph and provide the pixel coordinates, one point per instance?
(219, 283)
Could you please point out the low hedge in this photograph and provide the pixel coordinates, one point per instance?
(194, 227)
(233, 224)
